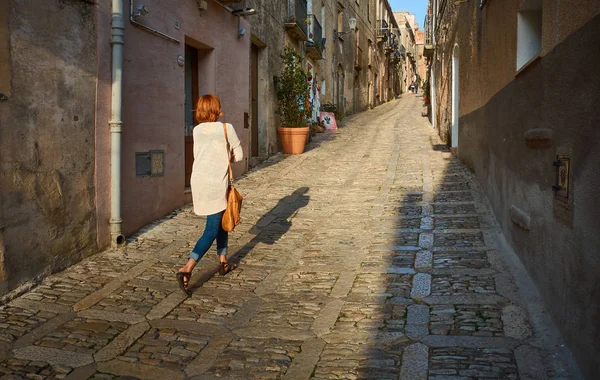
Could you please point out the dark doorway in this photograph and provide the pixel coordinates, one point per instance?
(340, 90)
(254, 100)
(191, 98)
(356, 93)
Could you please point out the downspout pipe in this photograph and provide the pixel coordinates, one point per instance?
(433, 66)
(117, 41)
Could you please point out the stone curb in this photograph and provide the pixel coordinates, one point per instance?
(110, 316)
(40, 306)
(303, 365)
(136, 370)
(415, 360)
(42, 330)
(469, 342)
(122, 342)
(53, 356)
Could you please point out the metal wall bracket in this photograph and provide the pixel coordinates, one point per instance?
(132, 16)
(561, 188)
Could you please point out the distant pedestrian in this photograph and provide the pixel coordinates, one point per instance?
(209, 183)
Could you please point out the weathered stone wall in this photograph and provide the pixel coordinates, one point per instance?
(501, 113)
(270, 45)
(47, 213)
(269, 34)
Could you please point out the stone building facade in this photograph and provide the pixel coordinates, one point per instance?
(352, 69)
(63, 195)
(406, 23)
(57, 120)
(420, 54)
(515, 94)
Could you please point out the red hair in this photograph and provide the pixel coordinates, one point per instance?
(208, 109)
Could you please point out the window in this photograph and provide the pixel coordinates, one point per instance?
(192, 92)
(323, 18)
(358, 62)
(340, 19)
(529, 32)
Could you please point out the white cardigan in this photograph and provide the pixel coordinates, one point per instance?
(210, 170)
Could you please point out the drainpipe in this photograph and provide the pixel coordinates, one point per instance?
(433, 65)
(117, 41)
(432, 93)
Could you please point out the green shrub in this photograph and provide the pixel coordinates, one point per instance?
(293, 91)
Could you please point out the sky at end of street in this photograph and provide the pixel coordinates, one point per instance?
(416, 7)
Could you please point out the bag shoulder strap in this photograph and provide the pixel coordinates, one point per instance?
(228, 153)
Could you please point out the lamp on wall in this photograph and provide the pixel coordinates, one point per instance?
(351, 24)
(141, 10)
(242, 12)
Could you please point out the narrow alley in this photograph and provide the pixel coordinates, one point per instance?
(374, 255)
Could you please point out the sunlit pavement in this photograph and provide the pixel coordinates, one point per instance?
(372, 255)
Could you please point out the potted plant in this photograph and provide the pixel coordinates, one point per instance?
(294, 108)
(426, 92)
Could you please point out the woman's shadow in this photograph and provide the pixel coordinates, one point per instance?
(268, 230)
(275, 223)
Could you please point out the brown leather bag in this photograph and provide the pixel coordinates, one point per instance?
(231, 216)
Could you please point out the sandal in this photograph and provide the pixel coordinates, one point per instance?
(226, 268)
(183, 278)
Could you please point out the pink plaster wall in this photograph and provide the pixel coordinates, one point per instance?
(153, 102)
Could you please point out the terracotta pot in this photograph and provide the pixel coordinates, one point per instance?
(293, 139)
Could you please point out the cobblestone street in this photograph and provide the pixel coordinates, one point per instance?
(373, 255)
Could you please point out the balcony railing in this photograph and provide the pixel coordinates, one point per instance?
(314, 46)
(428, 48)
(317, 30)
(428, 30)
(382, 31)
(297, 17)
(391, 44)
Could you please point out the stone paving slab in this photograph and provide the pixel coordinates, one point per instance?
(370, 256)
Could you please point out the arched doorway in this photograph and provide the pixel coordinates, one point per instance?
(455, 97)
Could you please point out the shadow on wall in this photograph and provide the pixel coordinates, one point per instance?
(48, 220)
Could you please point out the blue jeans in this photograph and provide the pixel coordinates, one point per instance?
(212, 231)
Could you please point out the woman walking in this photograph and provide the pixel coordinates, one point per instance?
(209, 182)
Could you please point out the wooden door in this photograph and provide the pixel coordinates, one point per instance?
(191, 99)
(254, 99)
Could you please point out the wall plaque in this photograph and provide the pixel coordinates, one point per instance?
(563, 166)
